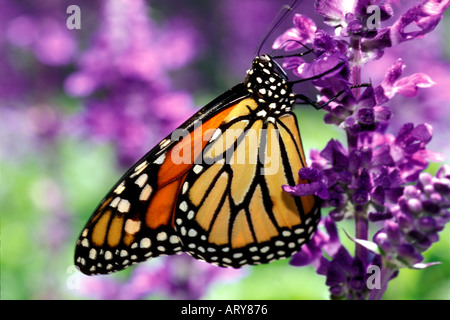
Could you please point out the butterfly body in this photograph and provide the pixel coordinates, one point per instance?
(213, 187)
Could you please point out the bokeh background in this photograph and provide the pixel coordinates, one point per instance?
(78, 106)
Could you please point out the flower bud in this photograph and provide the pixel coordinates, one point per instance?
(393, 231)
(414, 205)
(436, 197)
(430, 207)
(427, 224)
(365, 116)
(381, 238)
(405, 221)
(360, 196)
(425, 178)
(409, 253)
(411, 192)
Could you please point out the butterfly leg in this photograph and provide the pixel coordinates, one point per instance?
(301, 54)
(317, 106)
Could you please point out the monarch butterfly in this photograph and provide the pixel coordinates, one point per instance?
(193, 193)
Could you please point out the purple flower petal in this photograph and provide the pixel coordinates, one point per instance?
(425, 16)
(340, 266)
(333, 244)
(310, 253)
(367, 98)
(317, 188)
(393, 231)
(365, 116)
(355, 27)
(406, 86)
(324, 42)
(306, 26)
(409, 86)
(382, 113)
(360, 196)
(293, 38)
(377, 195)
(382, 240)
(409, 254)
(310, 174)
(394, 72)
(306, 255)
(443, 172)
(292, 63)
(423, 132)
(329, 64)
(335, 9)
(335, 153)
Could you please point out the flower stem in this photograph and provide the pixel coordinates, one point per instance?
(361, 221)
(361, 232)
(355, 43)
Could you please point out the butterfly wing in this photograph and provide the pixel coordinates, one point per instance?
(135, 221)
(213, 187)
(232, 210)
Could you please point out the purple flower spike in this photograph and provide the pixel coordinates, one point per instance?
(408, 86)
(376, 176)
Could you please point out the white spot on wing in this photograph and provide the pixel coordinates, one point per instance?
(141, 180)
(120, 188)
(145, 243)
(108, 255)
(164, 143)
(145, 193)
(197, 168)
(162, 236)
(183, 206)
(160, 159)
(115, 202)
(123, 206)
(174, 239)
(142, 166)
(185, 187)
(261, 113)
(93, 254)
(215, 135)
(132, 226)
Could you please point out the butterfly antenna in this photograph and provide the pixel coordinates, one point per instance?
(281, 15)
(308, 50)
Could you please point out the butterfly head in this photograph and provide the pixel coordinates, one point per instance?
(268, 83)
